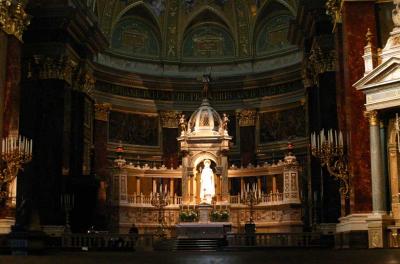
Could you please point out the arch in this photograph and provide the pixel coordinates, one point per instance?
(131, 8)
(208, 41)
(267, 3)
(136, 32)
(207, 9)
(270, 25)
(199, 157)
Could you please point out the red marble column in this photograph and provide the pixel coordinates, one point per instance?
(12, 87)
(357, 17)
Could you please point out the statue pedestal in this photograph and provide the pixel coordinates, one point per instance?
(204, 213)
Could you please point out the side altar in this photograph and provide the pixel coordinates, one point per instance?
(197, 199)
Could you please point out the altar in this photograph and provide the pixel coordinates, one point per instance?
(205, 205)
(203, 230)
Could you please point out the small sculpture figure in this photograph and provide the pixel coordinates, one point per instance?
(225, 121)
(206, 84)
(396, 13)
(182, 124)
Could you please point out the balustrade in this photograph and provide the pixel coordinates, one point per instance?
(266, 199)
(141, 199)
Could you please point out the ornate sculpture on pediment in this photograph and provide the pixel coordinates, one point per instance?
(396, 13)
(182, 124)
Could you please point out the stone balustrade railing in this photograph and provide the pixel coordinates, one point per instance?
(107, 241)
(142, 199)
(277, 240)
(265, 199)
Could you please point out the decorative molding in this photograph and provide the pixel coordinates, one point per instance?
(13, 18)
(247, 117)
(60, 68)
(169, 119)
(101, 111)
(79, 76)
(195, 96)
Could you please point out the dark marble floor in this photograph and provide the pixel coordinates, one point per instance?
(270, 256)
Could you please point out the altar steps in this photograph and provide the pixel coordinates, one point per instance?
(199, 244)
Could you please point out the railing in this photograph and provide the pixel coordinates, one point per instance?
(266, 199)
(106, 241)
(277, 240)
(142, 199)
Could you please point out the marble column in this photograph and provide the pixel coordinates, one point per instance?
(194, 182)
(171, 187)
(274, 184)
(384, 152)
(351, 41)
(154, 185)
(394, 180)
(377, 177)
(138, 185)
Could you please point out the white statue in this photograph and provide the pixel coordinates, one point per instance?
(207, 188)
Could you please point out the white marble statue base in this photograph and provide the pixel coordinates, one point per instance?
(204, 213)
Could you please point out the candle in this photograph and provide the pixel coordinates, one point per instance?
(160, 187)
(340, 139)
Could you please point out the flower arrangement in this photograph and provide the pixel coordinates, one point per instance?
(219, 216)
(188, 216)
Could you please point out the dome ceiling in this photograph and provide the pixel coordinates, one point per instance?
(196, 31)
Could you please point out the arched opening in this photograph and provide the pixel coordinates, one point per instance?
(136, 33)
(207, 36)
(271, 29)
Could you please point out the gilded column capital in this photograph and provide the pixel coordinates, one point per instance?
(169, 119)
(42, 67)
(101, 111)
(13, 18)
(247, 117)
(372, 117)
(85, 82)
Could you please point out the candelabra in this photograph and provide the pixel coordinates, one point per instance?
(251, 197)
(67, 202)
(15, 152)
(329, 149)
(160, 201)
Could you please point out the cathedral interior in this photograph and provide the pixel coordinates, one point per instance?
(179, 118)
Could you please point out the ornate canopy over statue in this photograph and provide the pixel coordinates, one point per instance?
(204, 138)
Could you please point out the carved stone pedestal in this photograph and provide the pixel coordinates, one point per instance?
(377, 230)
(204, 213)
